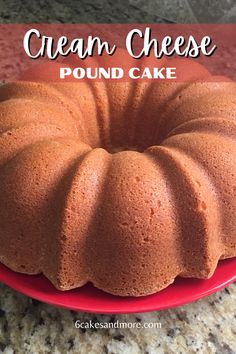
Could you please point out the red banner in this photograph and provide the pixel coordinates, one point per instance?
(56, 52)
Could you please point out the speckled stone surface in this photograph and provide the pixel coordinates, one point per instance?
(119, 11)
(207, 326)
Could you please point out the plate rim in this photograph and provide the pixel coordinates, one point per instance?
(224, 275)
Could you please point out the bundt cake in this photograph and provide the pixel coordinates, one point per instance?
(123, 184)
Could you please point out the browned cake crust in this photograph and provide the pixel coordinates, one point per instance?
(77, 207)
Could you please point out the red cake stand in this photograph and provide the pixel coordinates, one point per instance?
(89, 299)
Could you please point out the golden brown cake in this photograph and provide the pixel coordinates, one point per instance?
(123, 184)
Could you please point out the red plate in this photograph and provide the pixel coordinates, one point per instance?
(89, 299)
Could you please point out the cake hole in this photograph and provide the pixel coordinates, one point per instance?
(203, 205)
(114, 149)
(146, 239)
(124, 224)
(198, 183)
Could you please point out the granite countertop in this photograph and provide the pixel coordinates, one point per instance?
(121, 11)
(206, 326)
